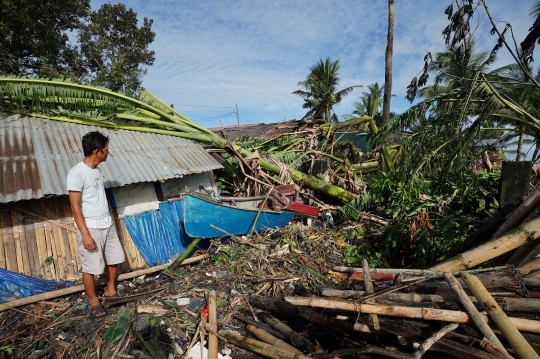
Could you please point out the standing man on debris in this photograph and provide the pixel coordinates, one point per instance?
(98, 244)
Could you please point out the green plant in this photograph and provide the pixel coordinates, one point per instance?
(430, 216)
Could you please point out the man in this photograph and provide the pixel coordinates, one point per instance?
(98, 244)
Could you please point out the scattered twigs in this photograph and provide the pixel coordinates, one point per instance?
(370, 349)
(522, 348)
(369, 290)
(193, 340)
(80, 288)
(424, 347)
(475, 315)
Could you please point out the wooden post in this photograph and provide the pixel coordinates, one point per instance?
(520, 345)
(369, 290)
(212, 319)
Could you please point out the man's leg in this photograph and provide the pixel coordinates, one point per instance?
(110, 273)
(90, 289)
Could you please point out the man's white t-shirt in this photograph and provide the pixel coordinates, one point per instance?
(89, 182)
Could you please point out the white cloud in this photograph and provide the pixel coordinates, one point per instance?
(253, 53)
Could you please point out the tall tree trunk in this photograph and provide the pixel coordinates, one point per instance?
(519, 147)
(388, 64)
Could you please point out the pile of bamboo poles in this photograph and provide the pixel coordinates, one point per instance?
(450, 308)
(468, 314)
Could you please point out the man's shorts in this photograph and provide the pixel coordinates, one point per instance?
(109, 251)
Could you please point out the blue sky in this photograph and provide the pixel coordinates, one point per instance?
(213, 55)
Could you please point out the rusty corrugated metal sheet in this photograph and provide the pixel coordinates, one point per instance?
(36, 155)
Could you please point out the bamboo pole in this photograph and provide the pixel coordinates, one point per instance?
(296, 339)
(428, 343)
(79, 288)
(270, 339)
(184, 254)
(369, 290)
(414, 272)
(508, 329)
(520, 213)
(259, 347)
(510, 304)
(405, 312)
(511, 240)
(474, 313)
(530, 266)
(212, 319)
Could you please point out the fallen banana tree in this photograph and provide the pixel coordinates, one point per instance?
(62, 100)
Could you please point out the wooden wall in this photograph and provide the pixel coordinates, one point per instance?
(37, 238)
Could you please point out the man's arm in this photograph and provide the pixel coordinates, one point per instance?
(75, 199)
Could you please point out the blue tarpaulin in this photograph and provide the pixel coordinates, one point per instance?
(159, 234)
(14, 285)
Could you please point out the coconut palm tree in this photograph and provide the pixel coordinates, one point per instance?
(320, 90)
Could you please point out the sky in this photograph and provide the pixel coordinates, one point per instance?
(212, 56)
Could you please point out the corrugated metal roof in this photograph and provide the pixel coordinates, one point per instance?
(36, 155)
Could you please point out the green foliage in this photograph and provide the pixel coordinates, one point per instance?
(355, 254)
(455, 206)
(114, 49)
(6, 349)
(34, 36)
(320, 90)
(118, 328)
(111, 50)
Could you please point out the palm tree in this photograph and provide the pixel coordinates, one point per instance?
(388, 64)
(320, 90)
(370, 104)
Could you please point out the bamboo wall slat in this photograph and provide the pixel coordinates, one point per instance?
(26, 241)
(3, 213)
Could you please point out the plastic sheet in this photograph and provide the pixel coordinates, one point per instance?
(14, 285)
(159, 235)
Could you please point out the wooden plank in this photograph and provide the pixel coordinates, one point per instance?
(9, 244)
(59, 207)
(2, 252)
(46, 218)
(30, 237)
(136, 259)
(17, 239)
(72, 236)
(42, 271)
(60, 253)
(28, 257)
(49, 242)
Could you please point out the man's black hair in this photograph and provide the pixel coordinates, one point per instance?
(94, 141)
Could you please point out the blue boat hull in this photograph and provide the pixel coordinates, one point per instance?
(199, 214)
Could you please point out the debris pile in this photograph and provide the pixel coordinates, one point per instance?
(285, 294)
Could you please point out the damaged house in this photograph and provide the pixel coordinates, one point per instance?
(144, 176)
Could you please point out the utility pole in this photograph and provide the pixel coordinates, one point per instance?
(237, 116)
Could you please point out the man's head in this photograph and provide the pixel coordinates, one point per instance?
(95, 143)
